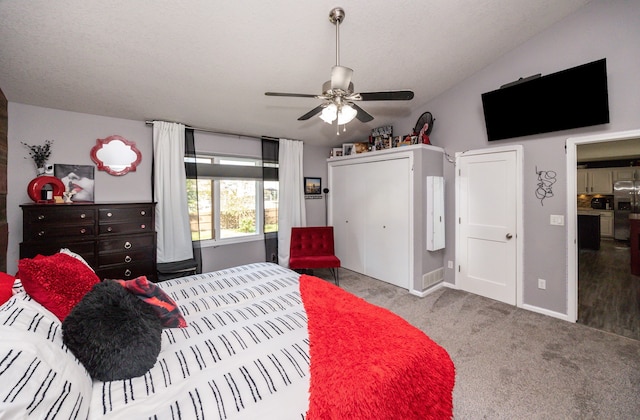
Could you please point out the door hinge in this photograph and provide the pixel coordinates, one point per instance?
(458, 269)
(459, 220)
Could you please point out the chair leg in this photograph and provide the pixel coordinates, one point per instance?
(336, 275)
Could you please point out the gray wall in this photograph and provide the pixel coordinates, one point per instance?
(602, 29)
(74, 135)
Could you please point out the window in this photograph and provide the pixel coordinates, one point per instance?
(229, 202)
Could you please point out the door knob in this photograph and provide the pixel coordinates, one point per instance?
(509, 236)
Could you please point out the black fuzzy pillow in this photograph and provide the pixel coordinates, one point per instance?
(113, 334)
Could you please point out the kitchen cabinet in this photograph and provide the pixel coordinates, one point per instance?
(624, 174)
(606, 220)
(595, 181)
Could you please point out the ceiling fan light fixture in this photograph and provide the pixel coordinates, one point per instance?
(329, 114)
(346, 114)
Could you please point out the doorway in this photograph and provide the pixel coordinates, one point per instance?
(602, 293)
(489, 229)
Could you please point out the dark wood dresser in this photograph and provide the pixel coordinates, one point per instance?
(117, 239)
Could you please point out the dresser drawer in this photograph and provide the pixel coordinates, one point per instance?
(130, 257)
(125, 227)
(126, 243)
(119, 214)
(85, 249)
(122, 272)
(57, 231)
(53, 215)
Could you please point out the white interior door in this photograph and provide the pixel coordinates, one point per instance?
(487, 228)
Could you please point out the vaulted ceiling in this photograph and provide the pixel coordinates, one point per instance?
(208, 63)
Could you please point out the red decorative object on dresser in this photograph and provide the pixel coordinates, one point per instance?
(118, 240)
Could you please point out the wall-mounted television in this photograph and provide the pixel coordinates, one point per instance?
(572, 98)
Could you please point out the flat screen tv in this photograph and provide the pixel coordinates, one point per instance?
(572, 98)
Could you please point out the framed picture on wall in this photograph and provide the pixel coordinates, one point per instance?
(77, 179)
(312, 186)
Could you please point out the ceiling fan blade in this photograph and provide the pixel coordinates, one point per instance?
(396, 95)
(341, 78)
(314, 111)
(297, 95)
(362, 115)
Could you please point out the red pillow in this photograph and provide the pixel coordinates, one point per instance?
(57, 282)
(6, 286)
(165, 308)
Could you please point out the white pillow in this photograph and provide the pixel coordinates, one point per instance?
(40, 377)
(75, 255)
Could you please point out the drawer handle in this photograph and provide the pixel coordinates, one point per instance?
(109, 214)
(83, 230)
(41, 233)
(82, 216)
(41, 217)
(127, 259)
(143, 226)
(127, 273)
(143, 213)
(109, 229)
(127, 245)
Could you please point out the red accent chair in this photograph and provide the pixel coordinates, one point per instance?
(312, 247)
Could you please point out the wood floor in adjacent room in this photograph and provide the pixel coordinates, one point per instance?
(608, 294)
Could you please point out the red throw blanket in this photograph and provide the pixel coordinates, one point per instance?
(368, 363)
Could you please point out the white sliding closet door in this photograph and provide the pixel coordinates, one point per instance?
(387, 221)
(371, 218)
(349, 195)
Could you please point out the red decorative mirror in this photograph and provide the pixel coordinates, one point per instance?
(116, 155)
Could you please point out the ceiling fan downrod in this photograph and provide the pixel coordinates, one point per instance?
(336, 16)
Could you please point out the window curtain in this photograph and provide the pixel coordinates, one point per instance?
(191, 171)
(270, 173)
(291, 206)
(170, 193)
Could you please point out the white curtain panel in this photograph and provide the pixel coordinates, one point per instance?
(169, 181)
(291, 209)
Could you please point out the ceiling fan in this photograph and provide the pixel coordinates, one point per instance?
(338, 93)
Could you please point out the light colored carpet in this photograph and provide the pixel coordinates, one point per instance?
(515, 364)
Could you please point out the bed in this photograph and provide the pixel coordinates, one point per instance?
(261, 341)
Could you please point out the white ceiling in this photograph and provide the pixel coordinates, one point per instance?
(208, 63)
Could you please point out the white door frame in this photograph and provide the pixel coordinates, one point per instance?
(519, 150)
(572, 216)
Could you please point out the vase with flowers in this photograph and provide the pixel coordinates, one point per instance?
(40, 153)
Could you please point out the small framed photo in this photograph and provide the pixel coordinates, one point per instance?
(347, 149)
(360, 147)
(312, 186)
(336, 152)
(78, 180)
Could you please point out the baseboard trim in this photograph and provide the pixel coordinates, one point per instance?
(428, 291)
(547, 312)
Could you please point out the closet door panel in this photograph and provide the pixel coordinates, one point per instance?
(387, 221)
(348, 215)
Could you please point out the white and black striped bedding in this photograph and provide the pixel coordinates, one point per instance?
(245, 354)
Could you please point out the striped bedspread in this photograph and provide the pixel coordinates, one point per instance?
(245, 353)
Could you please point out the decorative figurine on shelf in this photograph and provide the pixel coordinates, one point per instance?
(40, 154)
(67, 196)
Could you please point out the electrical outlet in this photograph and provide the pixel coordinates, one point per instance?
(450, 264)
(542, 284)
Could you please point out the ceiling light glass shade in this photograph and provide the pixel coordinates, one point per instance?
(329, 114)
(347, 114)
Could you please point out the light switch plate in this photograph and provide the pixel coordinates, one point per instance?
(557, 220)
